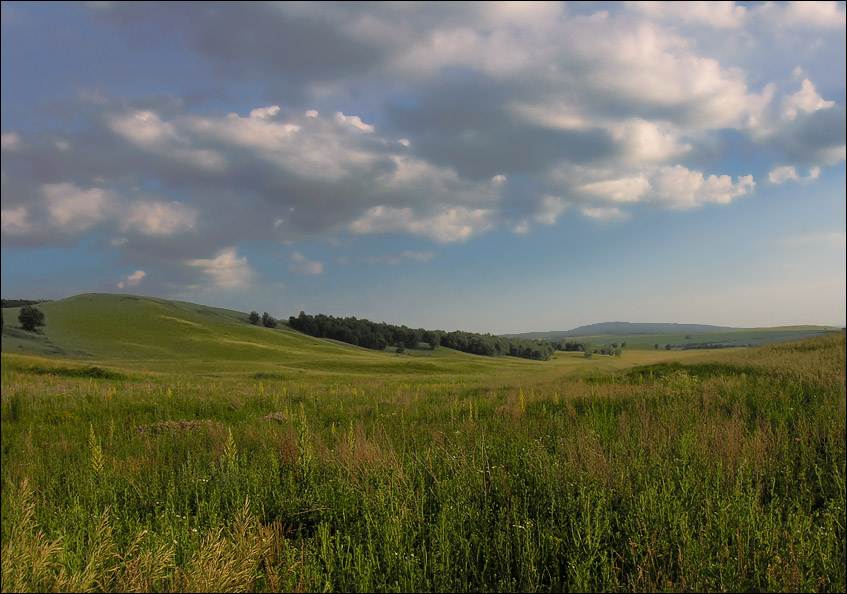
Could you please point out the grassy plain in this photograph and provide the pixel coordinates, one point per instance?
(194, 452)
(742, 337)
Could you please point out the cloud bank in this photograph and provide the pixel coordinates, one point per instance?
(439, 121)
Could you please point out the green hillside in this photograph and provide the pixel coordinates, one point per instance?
(739, 337)
(151, 334)
(680, 336)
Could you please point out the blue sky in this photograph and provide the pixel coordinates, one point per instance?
(503, 167)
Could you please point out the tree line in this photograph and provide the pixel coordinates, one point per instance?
(379, 335)
(9, 303)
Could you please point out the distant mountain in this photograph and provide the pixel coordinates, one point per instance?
(623, 329)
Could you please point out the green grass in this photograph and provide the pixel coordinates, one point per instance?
(193, 464)
(743, 337)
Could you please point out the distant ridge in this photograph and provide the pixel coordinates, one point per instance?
(623, 328)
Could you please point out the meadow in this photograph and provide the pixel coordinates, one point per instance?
(234, 458)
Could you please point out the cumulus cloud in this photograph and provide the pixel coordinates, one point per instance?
(65, 210)
(454, 224)
(824, 15)
(14, 221)
(783, 174)
(132, 280)
(603, 213)
(438, 121)
(712, 14)
(304, 265)
(159, 218)
(10, 141)
(619, 190)
(788, 172)
(146, 130)
(226, 270)
(550, 209)
(73, 209)
(681, 188)
(806, 99)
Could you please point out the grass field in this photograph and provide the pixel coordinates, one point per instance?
(743, 337)
(157, 446)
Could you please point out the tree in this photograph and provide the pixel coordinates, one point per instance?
(254, 317)
(268, 321)
(30, 318)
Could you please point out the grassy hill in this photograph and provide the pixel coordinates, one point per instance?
(158, 335)
(152, 445)
(147, 335)
(645, 336)
(622, 329)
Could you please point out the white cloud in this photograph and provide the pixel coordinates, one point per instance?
(681, 188)
(354, 121)
(630, 189)
(453, 224)
(146, 130)
(834, 155)
(73, 209)
(309, 147)
(265, 112)
(550, 209)
(132, 280)
(788, 172)
(159, 218)
(14, 221)
(226, 270)
(783, 174)
(521, 227)
(644, 141)
(304, 265)
(824, 15)
(10, 141)
(603, 213)
(713, 14)
(806, 99)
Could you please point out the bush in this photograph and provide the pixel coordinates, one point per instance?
(31, 318)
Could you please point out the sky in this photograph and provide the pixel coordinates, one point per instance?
(490, 167)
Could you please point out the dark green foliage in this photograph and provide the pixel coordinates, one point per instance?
(253, 317)
(31, 318)
(90, 372)
(569, 346)
(4, 303)
(378, 336)
(268, 321)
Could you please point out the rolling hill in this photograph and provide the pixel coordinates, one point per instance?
(622, 329)
(679, 336)
(152, 334)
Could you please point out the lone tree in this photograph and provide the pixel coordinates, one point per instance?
(254, 317)
(30, 318)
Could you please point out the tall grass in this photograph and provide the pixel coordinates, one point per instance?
(726, 472)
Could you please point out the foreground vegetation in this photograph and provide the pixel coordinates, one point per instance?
(699, 472)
